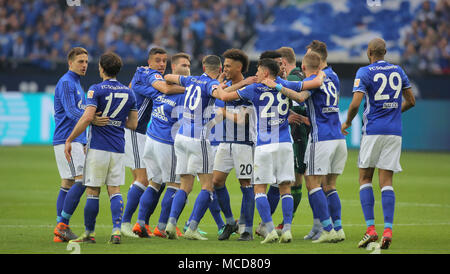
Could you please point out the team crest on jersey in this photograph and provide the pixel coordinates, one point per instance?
(356, 84)
(158, 76)
(90, 94)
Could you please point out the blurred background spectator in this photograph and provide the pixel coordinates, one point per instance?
(43, 30)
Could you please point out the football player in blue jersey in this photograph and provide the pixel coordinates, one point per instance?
(192, 144)
(274, 142)
(326, 152)
(159, 155)
(235, 149)
(383, 85)
(69, 104)
(144, 79)
(105, 153)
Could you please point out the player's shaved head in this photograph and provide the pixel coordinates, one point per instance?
(212, 63)
(376, 48)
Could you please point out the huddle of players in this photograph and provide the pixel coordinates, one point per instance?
(201, 126)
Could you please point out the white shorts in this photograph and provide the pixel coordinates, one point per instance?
(160, 162)
(104, 168)
(237, 156)
(274, 163)
(75, 167)
(194, 156)
(134, 149)
(380, 151)
(325, 157)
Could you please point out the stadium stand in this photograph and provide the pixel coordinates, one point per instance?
(416, 31)
(44, 30)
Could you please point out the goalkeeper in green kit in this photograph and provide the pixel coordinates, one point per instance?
(299, 124)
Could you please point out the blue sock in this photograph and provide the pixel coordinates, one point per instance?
(177, 206)
(202, 202)
(287, 206)
(388, 204)
(334, 207)
(134, 195)
(154, 204)
(224, 200)
(319, 202)
(145, 203)
(71, 202)
(214, 208)
(248, 203)
(60, 202)
(263, 206)
(273, 197)
(166, 205)
(90, 213)
(367, 203)
(116, 201)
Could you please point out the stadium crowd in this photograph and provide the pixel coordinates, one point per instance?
(44, 30)
(426, 43)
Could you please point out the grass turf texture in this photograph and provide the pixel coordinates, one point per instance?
(29, 183)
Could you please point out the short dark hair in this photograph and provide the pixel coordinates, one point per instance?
(111, 63)
(75, 52)
(320, 48)
(212, 62)
(180, 55)
(154, 51)
(272, 54)
(237, 55)
(270, 64)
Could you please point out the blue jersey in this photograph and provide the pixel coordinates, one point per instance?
(142, 85)
(68, 105)
(232, 132)
(216, 135)
(115, 101)
(198, 108)
(382, 83)
(272, 109)
(165, 113)
(323, 109)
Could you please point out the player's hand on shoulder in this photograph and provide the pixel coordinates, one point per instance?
(250, 80)
(99, 120)
(269, 82)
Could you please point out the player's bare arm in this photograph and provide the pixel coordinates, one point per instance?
(247, 81)
(132, 120)
(409, 99)
(352, 111)
(291, 94)
(80, 127)
(219, 93)
(167, 88)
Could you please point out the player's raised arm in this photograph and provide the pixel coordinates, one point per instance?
(167, 88)
(172, 78)
(291, 94)
(219, 93)
(409, 99)
(247, 81)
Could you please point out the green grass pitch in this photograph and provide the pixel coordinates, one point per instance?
(30, 182)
